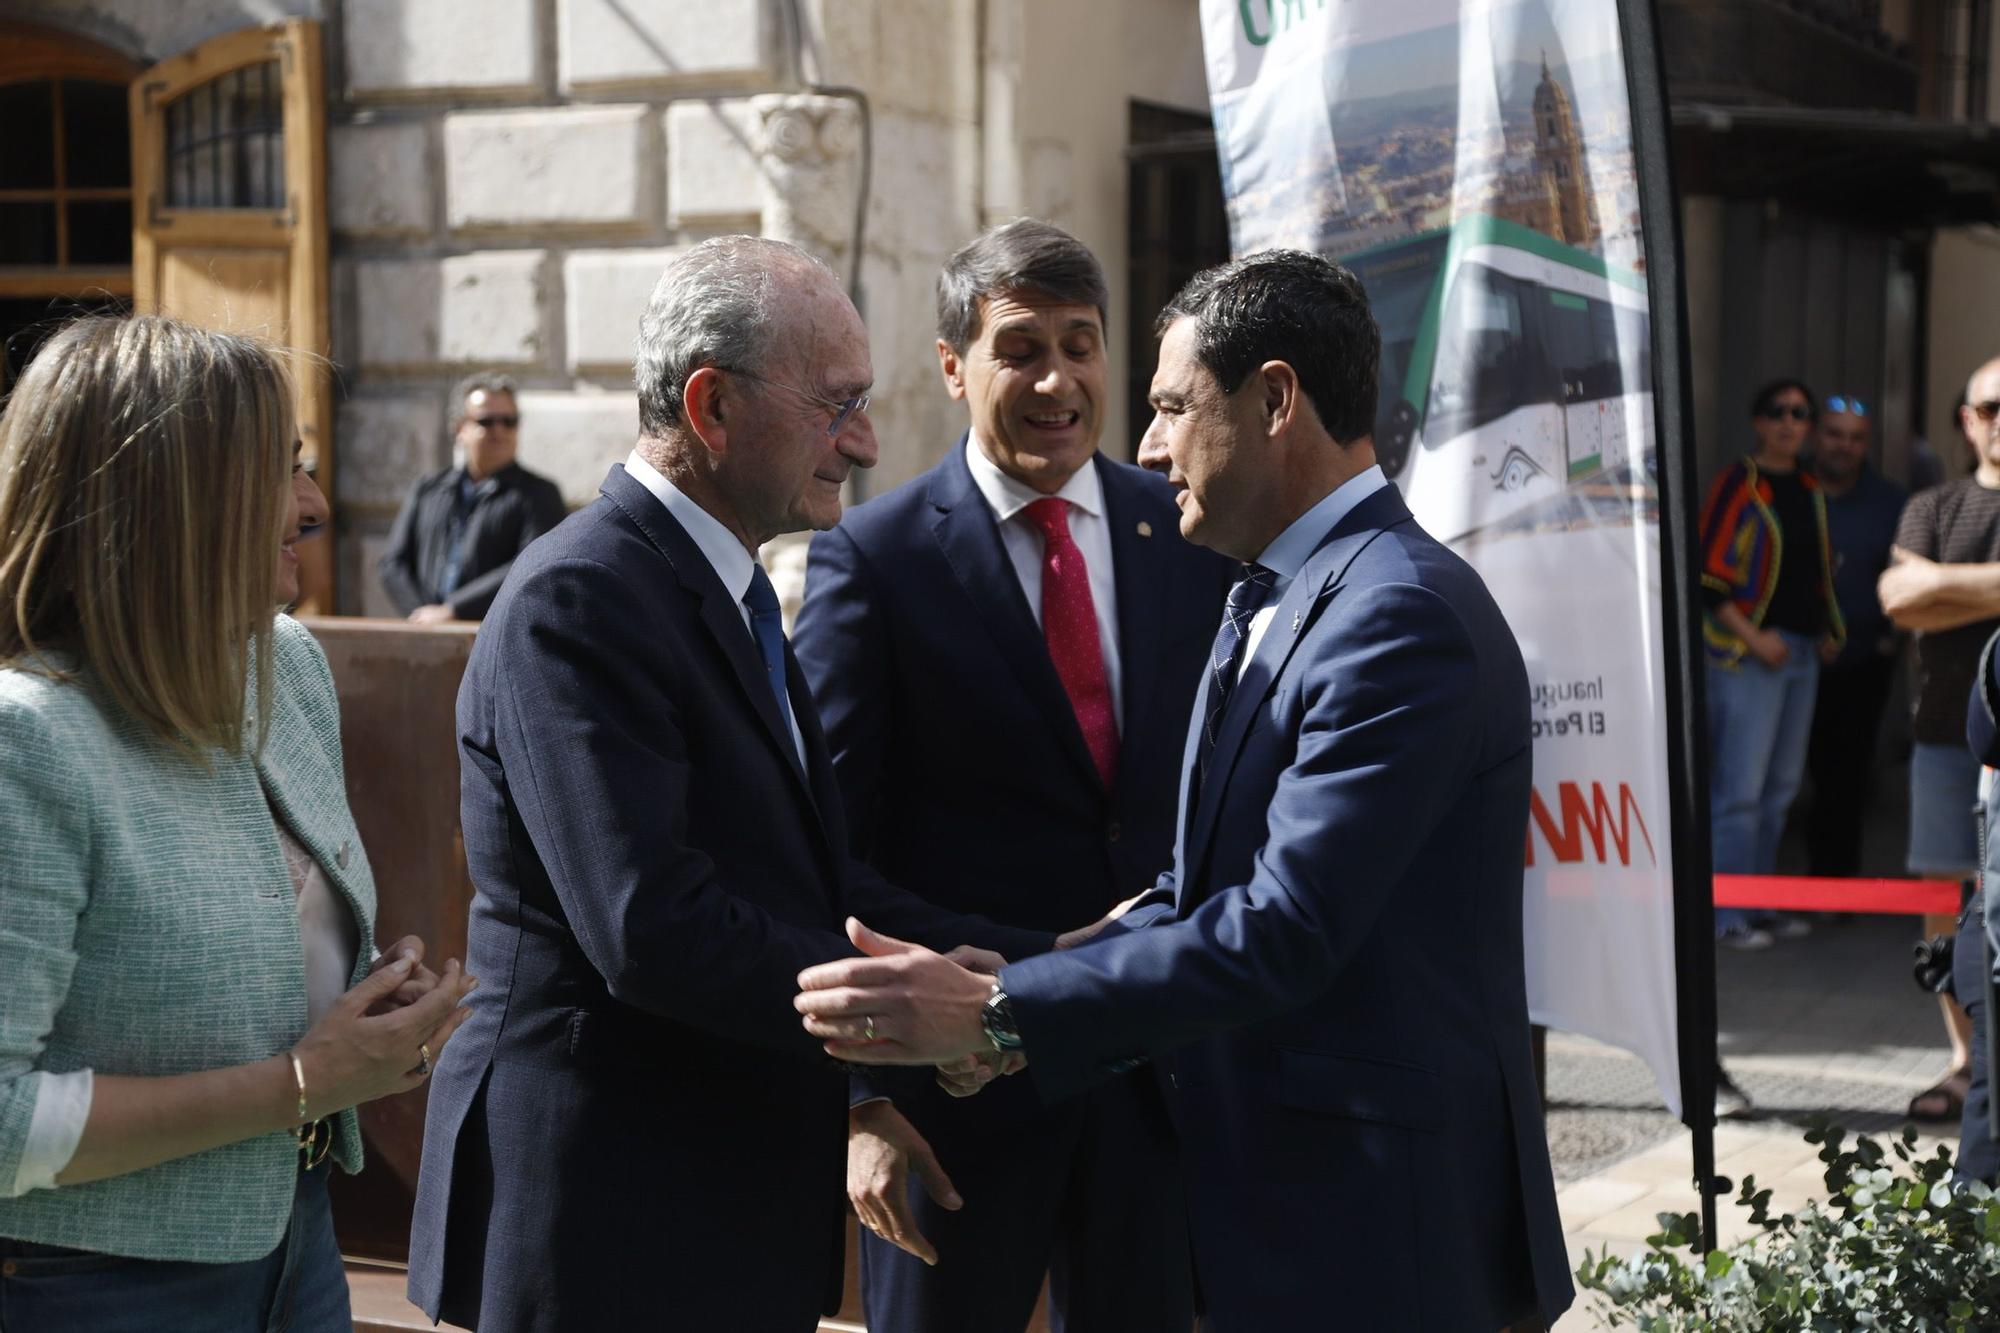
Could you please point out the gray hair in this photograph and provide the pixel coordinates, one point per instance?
(482, 381)
(711, 307)
(1026, 254)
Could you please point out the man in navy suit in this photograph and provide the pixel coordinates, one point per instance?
(637, 1134)
(1331, 977)
(1004, 651)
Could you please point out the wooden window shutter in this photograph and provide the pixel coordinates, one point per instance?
(229, 216)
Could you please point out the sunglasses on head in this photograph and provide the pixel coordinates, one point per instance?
(1841, 402)
(507, 419)
(1779, 411)
(1987, 410)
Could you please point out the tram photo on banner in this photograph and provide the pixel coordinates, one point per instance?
(1474, 165)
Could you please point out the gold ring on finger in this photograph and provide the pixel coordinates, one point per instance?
(423, 1059)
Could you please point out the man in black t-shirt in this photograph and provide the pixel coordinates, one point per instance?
(1944, 583)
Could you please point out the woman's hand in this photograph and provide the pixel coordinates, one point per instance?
(422, 980)
(360, 1051)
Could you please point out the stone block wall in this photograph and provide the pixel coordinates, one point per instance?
(508, 177)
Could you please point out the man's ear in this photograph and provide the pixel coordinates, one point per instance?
(1280, 385)
(953, 367)
(702, 405)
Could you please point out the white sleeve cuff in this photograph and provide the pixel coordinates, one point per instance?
(62, 1106)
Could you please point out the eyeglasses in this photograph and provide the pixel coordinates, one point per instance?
(1848, 404)
(509, 420)
(1779, 411)
(843, 409)
(1987, 410)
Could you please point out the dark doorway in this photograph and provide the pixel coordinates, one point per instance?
(1178, 227)
(27, 321)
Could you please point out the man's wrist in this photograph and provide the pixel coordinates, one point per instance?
(996, 1020)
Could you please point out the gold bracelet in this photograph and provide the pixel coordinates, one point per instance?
(299, 1077)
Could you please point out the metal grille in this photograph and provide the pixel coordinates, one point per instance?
(226, 142)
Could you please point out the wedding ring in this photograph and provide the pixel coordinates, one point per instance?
(868, 1027)
(423, 1059)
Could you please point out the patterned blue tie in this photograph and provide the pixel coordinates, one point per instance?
(769, 627)
(1225, 661)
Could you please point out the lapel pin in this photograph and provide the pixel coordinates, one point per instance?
(1145, 528)
(1296, 617)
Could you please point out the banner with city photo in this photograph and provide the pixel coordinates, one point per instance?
(1472, 161)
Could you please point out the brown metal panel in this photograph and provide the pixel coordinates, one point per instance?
(398, 687)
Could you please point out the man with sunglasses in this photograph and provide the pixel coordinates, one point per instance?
(1862, 508)
(1944, 583)
(460, 529)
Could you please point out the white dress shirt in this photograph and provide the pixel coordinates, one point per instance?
(1287, 555)
(1089, 528)
(728, 557)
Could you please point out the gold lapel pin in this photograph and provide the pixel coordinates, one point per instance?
(1145, 528)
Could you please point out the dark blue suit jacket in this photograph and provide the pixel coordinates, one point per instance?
(1332, 977)
(633, 1125)
(965, 776)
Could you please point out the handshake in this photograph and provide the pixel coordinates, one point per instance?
(902, 1004)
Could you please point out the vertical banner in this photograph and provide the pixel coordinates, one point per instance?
(1472, 162)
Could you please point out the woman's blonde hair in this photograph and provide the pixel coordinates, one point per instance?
(143, 466)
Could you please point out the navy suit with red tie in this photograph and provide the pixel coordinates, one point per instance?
(969, 780)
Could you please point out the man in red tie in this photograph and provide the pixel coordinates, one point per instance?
(1005, 653)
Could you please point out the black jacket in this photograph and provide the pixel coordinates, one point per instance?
(509, 509)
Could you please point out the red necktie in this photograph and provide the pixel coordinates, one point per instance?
(1069, 623)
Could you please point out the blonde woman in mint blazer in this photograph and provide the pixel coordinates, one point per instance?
(190, 1000)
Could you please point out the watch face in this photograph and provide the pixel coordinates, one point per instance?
(998, 1020)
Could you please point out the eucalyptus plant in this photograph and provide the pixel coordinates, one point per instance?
(1898, 1244)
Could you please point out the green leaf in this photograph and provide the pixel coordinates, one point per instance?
(1719, 1263)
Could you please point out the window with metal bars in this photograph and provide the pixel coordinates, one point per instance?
(226, 142)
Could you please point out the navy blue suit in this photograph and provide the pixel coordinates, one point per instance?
(967, 780)
(1331, 978)
(633, 1127)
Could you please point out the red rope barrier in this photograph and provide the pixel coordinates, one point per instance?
(1807, 893)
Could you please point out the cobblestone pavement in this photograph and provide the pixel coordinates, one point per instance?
(1830, 1024)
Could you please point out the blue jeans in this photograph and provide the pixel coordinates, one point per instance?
(1944, 805)
(1759, 720)
(300, 1287)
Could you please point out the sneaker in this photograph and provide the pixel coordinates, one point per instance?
(1745, 938)
(1787, 927)
(1731, 1102)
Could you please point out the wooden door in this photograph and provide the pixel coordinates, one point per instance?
(229, 216)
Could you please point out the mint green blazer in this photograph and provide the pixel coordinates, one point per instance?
(148, 926)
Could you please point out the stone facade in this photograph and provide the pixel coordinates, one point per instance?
(506, 178)
(507, 196)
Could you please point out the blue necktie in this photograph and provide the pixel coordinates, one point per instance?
(769, 627)
(1225, 660)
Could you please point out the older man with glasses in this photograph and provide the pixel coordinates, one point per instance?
(1944, 583)
(637, 1133)
(460, 529)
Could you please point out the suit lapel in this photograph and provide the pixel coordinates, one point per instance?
(969, 537)
(1138, 567)
(1297, 610)
(719, 612)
